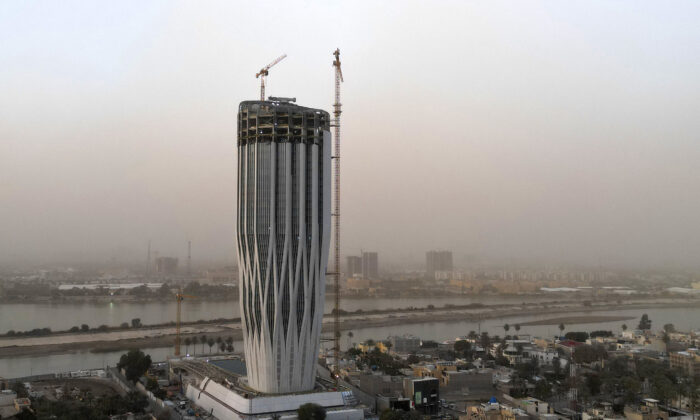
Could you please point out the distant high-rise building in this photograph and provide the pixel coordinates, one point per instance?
(166, 265)
(370, 265)
(438, 261)
(283, 235)
(354, 265)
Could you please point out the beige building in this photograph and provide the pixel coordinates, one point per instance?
(437, 370)
(358, 283)
(687, 361)
(494, 411)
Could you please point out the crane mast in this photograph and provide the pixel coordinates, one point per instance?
(180, 297)
(336, 213)
(262, 74)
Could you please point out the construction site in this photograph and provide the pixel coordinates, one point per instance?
(285, 153)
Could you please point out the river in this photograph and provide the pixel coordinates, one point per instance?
(62, 316)
(682, 318)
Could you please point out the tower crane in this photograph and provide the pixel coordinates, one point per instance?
(336, 213)
(180, 297)
(262, 74)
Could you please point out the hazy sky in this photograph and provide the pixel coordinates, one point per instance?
(554, 131)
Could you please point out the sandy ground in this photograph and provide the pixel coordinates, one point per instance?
(571, 320)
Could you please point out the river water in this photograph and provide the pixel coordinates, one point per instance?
(62, 316)
(682, 318)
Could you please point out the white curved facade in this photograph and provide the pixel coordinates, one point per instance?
(283, 233)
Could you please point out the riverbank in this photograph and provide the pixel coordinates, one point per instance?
(164, 336)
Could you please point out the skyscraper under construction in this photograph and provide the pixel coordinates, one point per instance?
(283, 234)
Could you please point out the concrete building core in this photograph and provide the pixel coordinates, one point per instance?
(283, 234)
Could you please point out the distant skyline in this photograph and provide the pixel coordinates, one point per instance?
(547, 132)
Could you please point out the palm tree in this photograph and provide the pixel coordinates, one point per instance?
(210, 343)
(624, 327)
(188, 341)
(506, 328)
(203, 340)
(472, 334)
(485, 340)
(222, 347)
(350, 336)
(195, 341)
(517, 327)
(229, 347)
(561, 328)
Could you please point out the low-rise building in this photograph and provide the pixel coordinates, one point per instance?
(533, 406)
(544, 356)
(687, 361)
(648, 410)
(492, 410)
(387, 385)
(424, 394)
(602, 411)
(405, 344)
(474, 382)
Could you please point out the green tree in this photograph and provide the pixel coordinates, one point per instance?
(624, 327)
(593, 383)
(203, 340)
(136, 323)
(669, 328)
(485, 340)
(463, 348)
(311, 411)
(19, 389)
(588, 354)
(644, 322)
(506, 328)
(400, 415)
(135, 363)
(195, 341)
(562, 327)
(543, 390)
(580, 336)
(85, 328)
(188, 341)
(556, 364)
(210, 343)
(691, 390)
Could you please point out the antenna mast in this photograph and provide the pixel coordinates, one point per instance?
(335, 123)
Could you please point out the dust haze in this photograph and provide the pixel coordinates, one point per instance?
(519, 131)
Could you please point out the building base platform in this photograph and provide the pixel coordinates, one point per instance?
(226, 403)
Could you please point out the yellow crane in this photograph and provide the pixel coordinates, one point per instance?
(336, 213)
(262, 74)
(180, 297)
